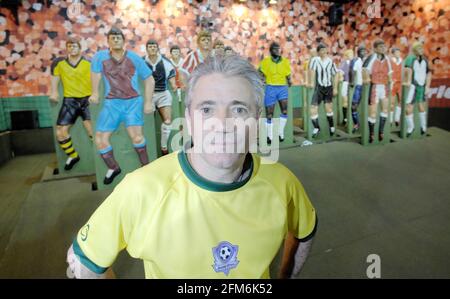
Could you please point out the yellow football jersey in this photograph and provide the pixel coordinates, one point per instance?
(184, 226)
(275, 73)
(76, 79)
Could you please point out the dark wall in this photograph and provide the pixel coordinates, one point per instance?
(5, 147)
(28, 142)
(439, 117)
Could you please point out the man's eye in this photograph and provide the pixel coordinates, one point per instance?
(239, 111)
(206, 110)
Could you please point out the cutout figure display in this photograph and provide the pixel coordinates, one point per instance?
(73, 71)
(121, 70)
(420, 81)
(344, 70)
(396, 92)
(379, 67)
(325, 88)
(180, 74)
(194, 58)
(356, 81)
(163, 72)
(277, 73)
(219, 47)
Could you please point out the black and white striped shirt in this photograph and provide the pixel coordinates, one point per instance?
(324, 70)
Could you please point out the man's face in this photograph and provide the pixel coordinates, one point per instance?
(323, 52)
(219, 49)
(205, 43)
(418, 51)
(380, 49)
(228, 52)
(348, 55)
(219, 109)
(115, 41)
(362, 53)
(152, 49)
(397, 53)
(275, 51)
(73, 49)
(175, 54)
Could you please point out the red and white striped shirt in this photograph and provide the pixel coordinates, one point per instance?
(192, 60)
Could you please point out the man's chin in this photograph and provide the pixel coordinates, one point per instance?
(222, 160)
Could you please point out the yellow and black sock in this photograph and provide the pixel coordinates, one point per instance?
(68, 148)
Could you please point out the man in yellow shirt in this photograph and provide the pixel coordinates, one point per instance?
(73, 72)
(209, 210)
(277, 72)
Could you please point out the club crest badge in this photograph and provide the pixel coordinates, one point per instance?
(84, 232)
(225, 257)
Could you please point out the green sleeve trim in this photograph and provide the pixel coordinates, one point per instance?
(86, 261)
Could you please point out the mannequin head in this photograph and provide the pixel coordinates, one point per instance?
(204, 41)
(322, 50)
(175, 52)
(274, 50)
(379, 47)
(361, 52)
(116, 39)
(417, 48)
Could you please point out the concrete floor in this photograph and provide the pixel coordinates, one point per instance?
(390, 200)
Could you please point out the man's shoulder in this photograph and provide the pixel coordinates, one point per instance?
(165, 58)
(274, 170)
(285, 60)
(161, 170)
(358, 60)
(369, 59)
(58, 60)
(134, 56)
(266, 59)
(167, 62)
(409, 60)
(101, 55)
(102, 52)
(85, 60)
(192, 53)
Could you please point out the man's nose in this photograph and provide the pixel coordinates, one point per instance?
(225, 120)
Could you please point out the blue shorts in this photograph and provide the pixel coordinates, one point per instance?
(115, 111)
(275, 93)
(357, 94)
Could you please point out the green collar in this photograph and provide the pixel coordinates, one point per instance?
(203, 183)
(276, 60)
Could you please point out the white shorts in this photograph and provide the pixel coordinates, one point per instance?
(162, 99)
(344, 89)
(378, 93)
(411, 91)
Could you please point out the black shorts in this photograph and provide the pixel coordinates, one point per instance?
(72, 108)
(322, 94)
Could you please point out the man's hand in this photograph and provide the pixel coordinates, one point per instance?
(54, 97)
(335, 92)
(427, 91)
(77, 270)
(148, 107)
(93, 99)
